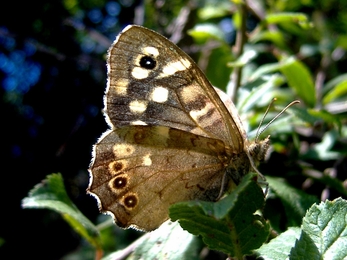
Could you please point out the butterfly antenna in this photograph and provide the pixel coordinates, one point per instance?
(262, 120)
(277, 116)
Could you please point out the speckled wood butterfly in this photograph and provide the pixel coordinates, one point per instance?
(173, 136)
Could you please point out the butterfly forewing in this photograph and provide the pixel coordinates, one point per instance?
(174, 93)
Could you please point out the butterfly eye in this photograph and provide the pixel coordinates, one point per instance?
(148, 62)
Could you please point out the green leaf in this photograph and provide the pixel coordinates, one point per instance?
(326, 116)
(262, 70)
(338, 92)
(297, 75)
(246, 57)
(323, 115)
(324, 232)
(295, 201)
(219, 75)
(211, 10)
(286, 17)
(323, 150)
(299, 79)
(203, 32)
(276, 37)
(279, 247)
(334, 82)
(282, 125)
(229, 225)
(261, 94)
(303, 114)
(51, 194)
(169, 241)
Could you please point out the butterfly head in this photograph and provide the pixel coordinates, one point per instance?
(258, 149)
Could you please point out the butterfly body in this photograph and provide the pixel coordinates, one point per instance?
(173, 137)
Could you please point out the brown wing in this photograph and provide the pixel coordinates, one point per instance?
(153, 82)
(139, 171)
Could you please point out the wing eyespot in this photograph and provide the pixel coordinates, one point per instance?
(120, 182)
(131, 201)
(148, 62)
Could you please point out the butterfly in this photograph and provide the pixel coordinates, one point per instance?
(173, 137)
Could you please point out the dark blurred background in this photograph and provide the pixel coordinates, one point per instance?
(53, 76)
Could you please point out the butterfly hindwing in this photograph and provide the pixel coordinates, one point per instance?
(138, 181)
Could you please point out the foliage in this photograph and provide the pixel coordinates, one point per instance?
(52, 73)
(51, 194)
(230, 224)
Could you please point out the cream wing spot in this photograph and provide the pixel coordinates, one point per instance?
(162, 131)
(203, 112)
(138, 122)
(160, 94)
(121, 150)
(196, 114)
(138, 106)
(151, 51)
(206, 116)
(121, 86)
(162, 134)
(121, 91)
(175, 66)
(189, 93)
(140, 73)
(146, 160)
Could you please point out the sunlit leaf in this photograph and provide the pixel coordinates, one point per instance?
(230, 225)
(51, 194)
(324, 232)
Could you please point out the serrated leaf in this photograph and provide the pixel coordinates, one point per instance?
(230, 225)
(169, 242)
(51, 194)
(279, 247)
(295, 201)
(324, 232)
